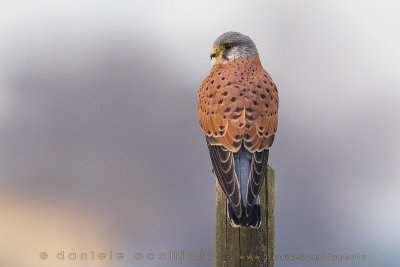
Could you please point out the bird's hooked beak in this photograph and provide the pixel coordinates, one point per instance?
(215, 53)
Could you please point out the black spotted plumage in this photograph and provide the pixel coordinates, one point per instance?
(238, 112)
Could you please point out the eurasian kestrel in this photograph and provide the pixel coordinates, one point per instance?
(238, 112)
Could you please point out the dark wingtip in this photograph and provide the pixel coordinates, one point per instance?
(254, 220)
(255, 217)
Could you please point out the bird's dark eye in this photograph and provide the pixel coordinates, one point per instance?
(227, 46)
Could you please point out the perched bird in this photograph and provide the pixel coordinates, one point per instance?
(238, 112)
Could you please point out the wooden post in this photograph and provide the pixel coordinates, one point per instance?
(243, 246)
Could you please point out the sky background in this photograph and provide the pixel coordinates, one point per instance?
(100, 146)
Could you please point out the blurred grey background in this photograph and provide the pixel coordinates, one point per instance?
(98, 112)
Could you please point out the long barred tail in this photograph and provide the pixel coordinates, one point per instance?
(244, 169)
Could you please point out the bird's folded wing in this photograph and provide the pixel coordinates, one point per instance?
(224, 168)
(258, 171)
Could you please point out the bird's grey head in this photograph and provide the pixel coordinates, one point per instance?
(232, 45)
